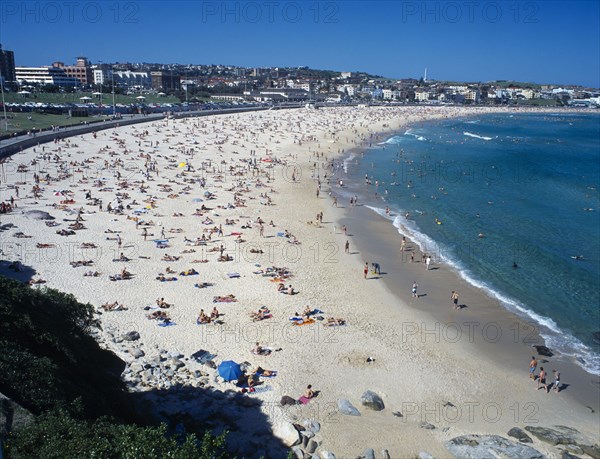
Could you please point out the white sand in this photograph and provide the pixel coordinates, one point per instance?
(412, 376)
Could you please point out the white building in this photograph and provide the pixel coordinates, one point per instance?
(349, 89)
(98, 76)
(44, 75)
(421, 95)
(472, 94)
(132, 79)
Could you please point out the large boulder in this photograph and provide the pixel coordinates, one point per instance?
(557, 435)
(543, 350)
(488, 446)
(592, 451)
(326, 455)
(288, 434)
(368, 454)
(520, 435)
(311, 425)
(136, 352)
(372, 401)
(345, 407)
(131, 336)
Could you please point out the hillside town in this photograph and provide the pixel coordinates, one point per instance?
(273, 85)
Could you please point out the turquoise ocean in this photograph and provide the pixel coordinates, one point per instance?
(484, 194)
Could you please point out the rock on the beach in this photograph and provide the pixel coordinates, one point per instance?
(543, 350)
(311, 425)
(426, 426)
(136, 367)
(176, 363)
(136, 352)
(385, 454)
(345, 407)
(369, 453)
(371, 400)
(307, 434)
(298, 453)
(573, 449)
(486, 446)
(326, 455)
(312, 446)
(520, 435)
(131, 336)
(557, 435)
(287, 433)
(592, 451)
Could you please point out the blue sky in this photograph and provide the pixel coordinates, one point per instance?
(539, 41)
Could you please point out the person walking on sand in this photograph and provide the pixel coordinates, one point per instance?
(366, 269)
(454, 298)
(556, 384)
(532, 367)
(427, 262)
(541, 379)
(415, 286)
(347, 247)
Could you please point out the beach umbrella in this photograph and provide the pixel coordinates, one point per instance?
(229, 370)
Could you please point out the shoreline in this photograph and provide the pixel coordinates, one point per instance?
(405, 371)
(381, 239)
(491, 330)
(525, 315)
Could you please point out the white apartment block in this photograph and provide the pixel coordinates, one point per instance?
(44, 75)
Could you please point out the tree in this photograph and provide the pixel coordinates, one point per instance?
(59, 435)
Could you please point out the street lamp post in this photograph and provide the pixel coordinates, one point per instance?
(3, 102)
(101, 82)
(112, 74)
(186, 91)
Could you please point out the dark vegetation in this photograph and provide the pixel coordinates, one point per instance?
(51, 366)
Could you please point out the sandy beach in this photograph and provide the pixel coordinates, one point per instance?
(172, 217)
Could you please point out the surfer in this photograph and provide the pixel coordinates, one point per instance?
(515, 265)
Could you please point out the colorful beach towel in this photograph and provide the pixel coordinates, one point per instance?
(304, 322)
